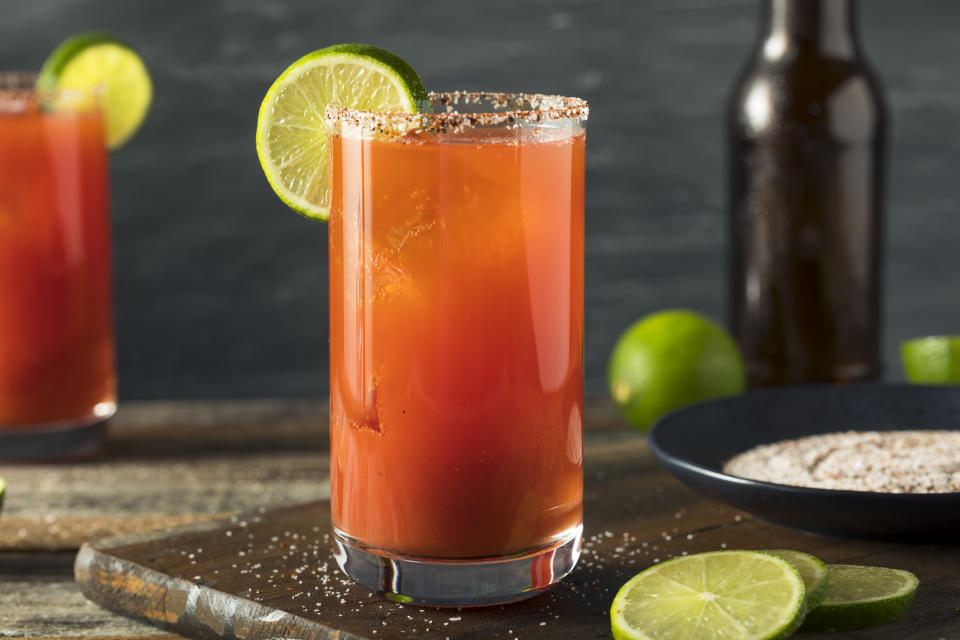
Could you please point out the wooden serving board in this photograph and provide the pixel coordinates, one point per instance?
(271, 574)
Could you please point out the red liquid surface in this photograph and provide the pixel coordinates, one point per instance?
(456, 344)
(56, 323)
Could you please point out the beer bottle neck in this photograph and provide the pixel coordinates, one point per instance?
(826, 27)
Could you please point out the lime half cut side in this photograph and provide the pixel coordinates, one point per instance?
(719, 595)
(92, 61)
(291, 133)
(813, 571)
(860, 597)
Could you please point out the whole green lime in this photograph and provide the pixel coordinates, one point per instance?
(932, 360)
(670, 359)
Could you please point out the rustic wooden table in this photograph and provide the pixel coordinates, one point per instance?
(164, 464)
(172, 463)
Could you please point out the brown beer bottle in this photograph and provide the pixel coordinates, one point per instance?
(806, 132)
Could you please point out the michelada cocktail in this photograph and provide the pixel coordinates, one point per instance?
(456, 331)
(56, 314)
(57, 354)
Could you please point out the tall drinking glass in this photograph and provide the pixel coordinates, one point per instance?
(57, 361)
(456, 346)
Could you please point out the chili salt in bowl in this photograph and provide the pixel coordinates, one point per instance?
(695, 443)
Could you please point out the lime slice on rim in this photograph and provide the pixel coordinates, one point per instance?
(722, 595)
(812, 570)
(291, 133)
(932, 360)
(860, 597)
(91, 60)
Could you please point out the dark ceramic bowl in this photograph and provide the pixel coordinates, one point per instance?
(695, 442)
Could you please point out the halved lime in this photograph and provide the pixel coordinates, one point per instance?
(812, 570)
(861, 597)
(100, 60)
(291, 134)
(932, 360)
(719, 595)
(3, 489)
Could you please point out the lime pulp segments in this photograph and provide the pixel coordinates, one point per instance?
(291, 131)
(718, 595)
(860, 597)
(811, 569)
(100, 61)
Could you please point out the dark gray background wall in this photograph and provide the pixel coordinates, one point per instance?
(222, 292)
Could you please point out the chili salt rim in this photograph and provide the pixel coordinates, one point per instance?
(17, 80)
(522, 108)
(19, 92)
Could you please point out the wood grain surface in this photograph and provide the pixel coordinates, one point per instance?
(256, 456)
(271, 574)
(166, 464)
(163, 464)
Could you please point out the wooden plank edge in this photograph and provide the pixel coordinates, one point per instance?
(212, 523)
(149, 414)
(152, 636)
(141, 537)
(66, 533)
(190, 609)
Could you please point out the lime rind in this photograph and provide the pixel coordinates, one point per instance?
(65, 51)
(932, 359)
(398, 597)
(101, 61)
(813, 571)
(733, 595)
(669, 359)
(291, 134)
(861, 597)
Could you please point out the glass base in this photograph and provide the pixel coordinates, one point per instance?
(443, 582)
(48, 441)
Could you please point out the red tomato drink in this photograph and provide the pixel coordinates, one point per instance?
(56, 325)
(456, 342)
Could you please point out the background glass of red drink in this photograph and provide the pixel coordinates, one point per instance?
(456, 347)
(57, 354)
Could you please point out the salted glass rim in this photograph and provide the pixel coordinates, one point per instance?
(510, 109)
(19, 90)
